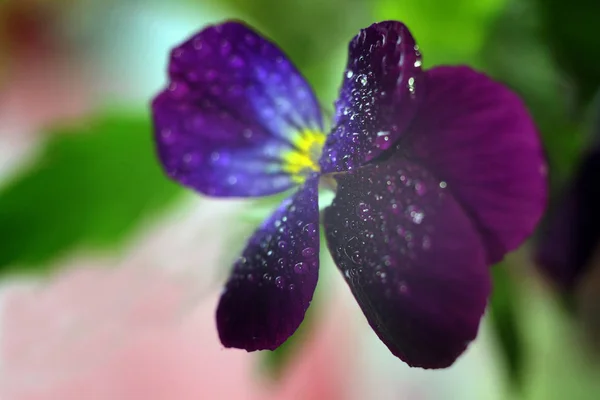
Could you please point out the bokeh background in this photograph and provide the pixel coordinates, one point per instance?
(110, 274)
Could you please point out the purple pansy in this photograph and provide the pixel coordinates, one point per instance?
(570, 238)
(437, 175)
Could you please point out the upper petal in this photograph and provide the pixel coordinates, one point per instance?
(379, 96)
(477, 136)
(272, 284)
(234, 107)
(571, 235)
(413, 259)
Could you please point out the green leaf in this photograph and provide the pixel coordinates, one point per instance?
(572, 31)
(448, 32)
(93, 184)
(504, 317)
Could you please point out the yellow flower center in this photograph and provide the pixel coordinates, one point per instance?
(304, 158)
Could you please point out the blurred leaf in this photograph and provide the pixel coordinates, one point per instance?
(92, 185)
(503, 315)
(558, 367)
(448, 32)
(572, 29)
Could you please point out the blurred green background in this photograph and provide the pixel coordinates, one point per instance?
(87, 179)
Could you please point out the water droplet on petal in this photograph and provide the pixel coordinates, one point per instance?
(403, 288)
(420, 188)
(247, 133)
(310, 230)
(416, 214)
(426, 242)
(308, 252)
(383, 140)
(300, 268)
(356, 257)
(364, 212)
(280, 282)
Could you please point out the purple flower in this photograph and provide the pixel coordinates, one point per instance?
(569, 243)
(438, 174)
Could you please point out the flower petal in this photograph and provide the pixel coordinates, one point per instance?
(234, 107)
(413, 259)
(571, 235)
(477, 136)
(379, 96)
(272, 284)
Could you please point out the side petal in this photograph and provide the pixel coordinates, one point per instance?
(234, 107)
(272, 284)
(571, 234)
(379, 96)
(477, 136)
(412, 258)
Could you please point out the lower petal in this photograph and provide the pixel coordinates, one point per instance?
(413, 260)
(272, 284)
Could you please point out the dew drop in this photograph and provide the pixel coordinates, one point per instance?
(382, 140)
(210, 74)
(364, 212)
(236, 61)
(291, 286)
(356, 257)
(426, 242)
(420, 188)
(310, 229)
(403, 288)
(443, 185)
(280, 282)
(250, 39)
(362, 79)
(411, 85)
(349, 74)
(300, 268)
(416, 214)
(308, 252)
(381, 275)
(282, 245)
